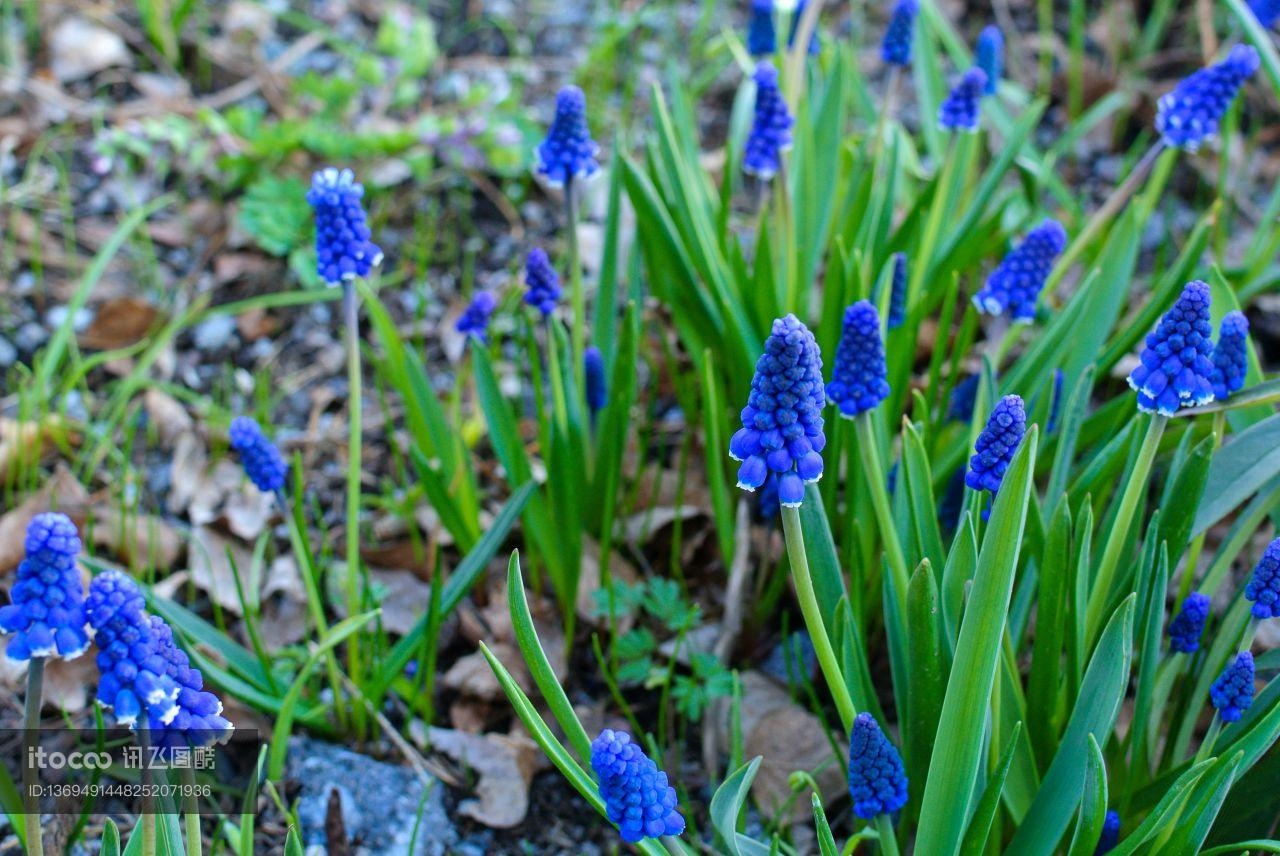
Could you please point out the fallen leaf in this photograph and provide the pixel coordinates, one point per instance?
(69, 685)
(79, 48)
(62, 492)
(248, 511)
(256, 324)
(24, 444)
(504, 767)
(404, 598)
(169, 417)
(120, 322)
(215, 561)
(472, 676)
(140, 541)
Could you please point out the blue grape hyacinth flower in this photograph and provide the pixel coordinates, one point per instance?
(636, 794)
(568, 152)
(1266, 11)
(1263, 588)
(134, 673)
(198, 720)
(1188, 625)
(1015, 284)
(961, 109)
(770, 134)
(46, 615)
(1232, 692)
(994, 450)
(963, 398)
(1230, 355)
(474, 320)
(343, 249)
(988, 55)
(1177, 362)
(898, 292)
(781, 434)
(1055, 400)
(815, 46)
(895, 49)
(1110, 834)
(262, 461)
(1189, 115)
(593, 378)
(859, 376)
(877, 778)
(762, 38)
(542, 283)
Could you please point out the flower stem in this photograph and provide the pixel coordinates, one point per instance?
(872, 466)
(30, 732)
(1100, 594)
(579, 330)
(1197, 545)
(148, 819)
(195, 842)
(888, 841)
(794, 537)
(351, 307)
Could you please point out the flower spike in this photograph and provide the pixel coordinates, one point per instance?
(542, 283)
(781, 434)
(46, 616)
(343, 249)
(1177, 362)
(593, 378)
(898, 292)
(1266, 11)
(474, 320)
(771, 130)
(199, 720)
(568, 152)
(960, 111)
(877, 778)
(762, 39)
(1014, 286)
(1110, 834)
(1232, 692)
(896, 47)
(1188, 625)
(636, 794)
(989, 56)
(1263, 588)
(858, 378)
(1230, 355)
(1189, 115)
(994, 450)
(262, 461)
(135, 675)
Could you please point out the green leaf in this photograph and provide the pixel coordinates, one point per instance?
(1203, 806)
(1044, 683)
(979, 829)
(168, 837)
(1244, 464)
(953, 769)
(927, 676)
(1093, 804)
(110, 845)
(826, 841)
(824, 565)
(726, 807)
(1165, 812)
(1183, 492)
(292, 843)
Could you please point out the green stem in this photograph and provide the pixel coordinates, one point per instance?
(195, 841)
(813, 616)
(923, 260)
(1100, 594)
(888, 841)
(30, 776)
(873, 468)
(351, 307)
(579, 331)
(1197, 545)
(148, 819)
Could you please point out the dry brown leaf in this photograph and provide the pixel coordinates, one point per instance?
(472, 676)
(120, 322)
(504, 767)
(68, 684)
(404, 601)
(285, 621)
(215, 560)
(139, 541)
(256, 324)
(589, 582)
(169, 417)
(25, 443)
(248, 511)
(61, 492)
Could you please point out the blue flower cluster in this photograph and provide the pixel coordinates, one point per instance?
(960, 111)
(1014, 286)
(859, 376)
(474, 320)
(262, 461)
(781, 430)
(1232, 692)
(46, 615)
(1266, 11)
(994, 450)
(1263, 588)
(568, 152)
(877, 778)
(198, 720)
(343, 248)
(1189, 115)
(542, 283)
(1188, 625)
(770, 134)
(1230, 355)
(1110, 834)
(964, 397)
(814, 44)
(1177, 362)
(898, 292)
(134, 673)
(896, 47)
(988, 55)
(762, 39)
(593, 378)
(636, 794)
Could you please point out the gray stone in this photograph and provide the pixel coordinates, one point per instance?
(213, 333)
(8, 353)
(29, 337)
(382, 804)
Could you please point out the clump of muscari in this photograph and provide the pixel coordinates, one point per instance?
(568, 152)
(877, 778)
(344, 250)
(1176, 364)
(781, 432)
(961, 110)
(474, 320)
(895, 49)
(1232, 692)
(542, 283)
(859, 376)
(1015, 284)
(636, 794)
(988, 55)
(1266, 11)
(46, 614)
(1188, 625)
(770, 134)
(261, 460)
(1189, 115)
(198, 720)
(1263, 588)
(1230, 355)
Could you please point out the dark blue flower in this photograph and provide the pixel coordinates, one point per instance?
(262, 461)
(474, 320)
(762, 39)
(896, 47)
(1015, 284)
(952, 502)
(996, 444)
(815, 46)
(46, 615)
(989, 56)
(542, 283)
(1190, 114)
(964, 396)
(1264, 586)
(568, 152)
(858, 375)
(1177, 363)
(1230, 355)
(1266, 11)
(1232, 692)
(636, 794)
(199, 720)
(781, 430)
(960, 111)
(343, 248)
(898, 292)
(1187, 626)
(1110, 833)
(771, 129)
(593, 377)
(877, 779)
(134, 672)
(1055, 400)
